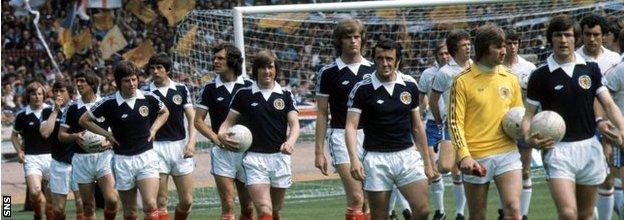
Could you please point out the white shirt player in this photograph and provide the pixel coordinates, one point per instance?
(444, 80)
(522, 69)
(605, 61)
(424, 86)
(615, 83)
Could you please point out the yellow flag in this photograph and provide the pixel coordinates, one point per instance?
(175, 10)
(450, 12)
(65, 38)
(141, 54)
(82, 40)
(186, 42)
(142, 11)
(103, 20)
(387, 13)
(112, 42)
(286, 21)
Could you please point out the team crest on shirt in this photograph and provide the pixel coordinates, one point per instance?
(177, 99)
(504, 92)
(279, 104)
(585, 82)
(143, 110)
(406, 97)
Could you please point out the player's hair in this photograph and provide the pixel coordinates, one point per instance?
(233, 56)
(161, 58)
(594, 20)
(621, 39)
(60, 84)
(387, 44)
(614, 25)
(512, 34)
(487, 35)
(32, 88)
(453, 38)
(124, 69)
(92, 80)
(561, 23)
(345, 27)
(263, 59)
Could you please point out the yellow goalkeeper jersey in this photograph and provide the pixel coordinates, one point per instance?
(477, 104)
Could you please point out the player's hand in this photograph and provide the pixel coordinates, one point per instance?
(152, 136)
(430, 172)
(472, 167)
(609, 131)
(287, 148)
(320, 162)
(109, 136)
(227, 142)
(538, 141)
(357, 171)
(79, 137)
(21, 156)
(189, 150)
(58, 102)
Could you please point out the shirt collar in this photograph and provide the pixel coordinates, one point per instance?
(153, 87)
(29, 110)
(341, 64)
(377, 83)
(452, 62)
(219, 83)
(120, 100)
(82, 104)
(276, 88)
(553, 65)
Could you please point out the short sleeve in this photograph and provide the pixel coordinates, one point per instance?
(597, 77)
(534, 89)
(155, 104)
(354, 104)
(321, 84)
(291, 105)
(64, 117)
(615, 78)
(187, 97)
(98, 110)
(237, 102)
(17, 124)
(414, 93)
(424, 83)
(440, 82)
(202, 98)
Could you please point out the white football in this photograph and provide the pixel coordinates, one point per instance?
(243, 135)
(549, 124)
(92, 142)
(512, 122)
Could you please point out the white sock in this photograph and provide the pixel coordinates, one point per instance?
(617, 195)
(460, 197)
(605, 204)
(393, 199)
(436, 189)
(525, 199)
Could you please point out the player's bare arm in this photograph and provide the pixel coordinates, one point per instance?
(320, 161)
(163, 114)
(357, 171)
(288, 147)
(203, 128)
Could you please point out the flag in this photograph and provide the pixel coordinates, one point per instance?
(66, 31)
(387, 13)
(142, 11)
(286, 21)
(186, 42)
(103, 20)
(112, 42)
(82, 40)
(105, 4)
(141, 54)
(20, 6)
(175, 10)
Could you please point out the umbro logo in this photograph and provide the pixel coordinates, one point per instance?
(220, 99)
(380, 101)
(31, 123)
(346, 82)
(558, 87)
(124, 116)
(254, 104)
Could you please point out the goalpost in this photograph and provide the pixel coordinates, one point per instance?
(301, 36)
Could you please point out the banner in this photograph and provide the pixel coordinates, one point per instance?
(112, 42)
(141, 54)
(175, 10)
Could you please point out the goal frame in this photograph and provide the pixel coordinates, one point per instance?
(239, 12)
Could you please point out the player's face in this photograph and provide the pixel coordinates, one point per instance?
(351, 44)
(592, 38)
(129, 84)
(159, 73)
(220, 62)
(386, 63)
(82, 86)
(563, 43)
(496, 54)
(266, 75)
(61, 93)
(608, 40)
(443, 56)
(463, 48)
(512, 47)
(36, 98)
